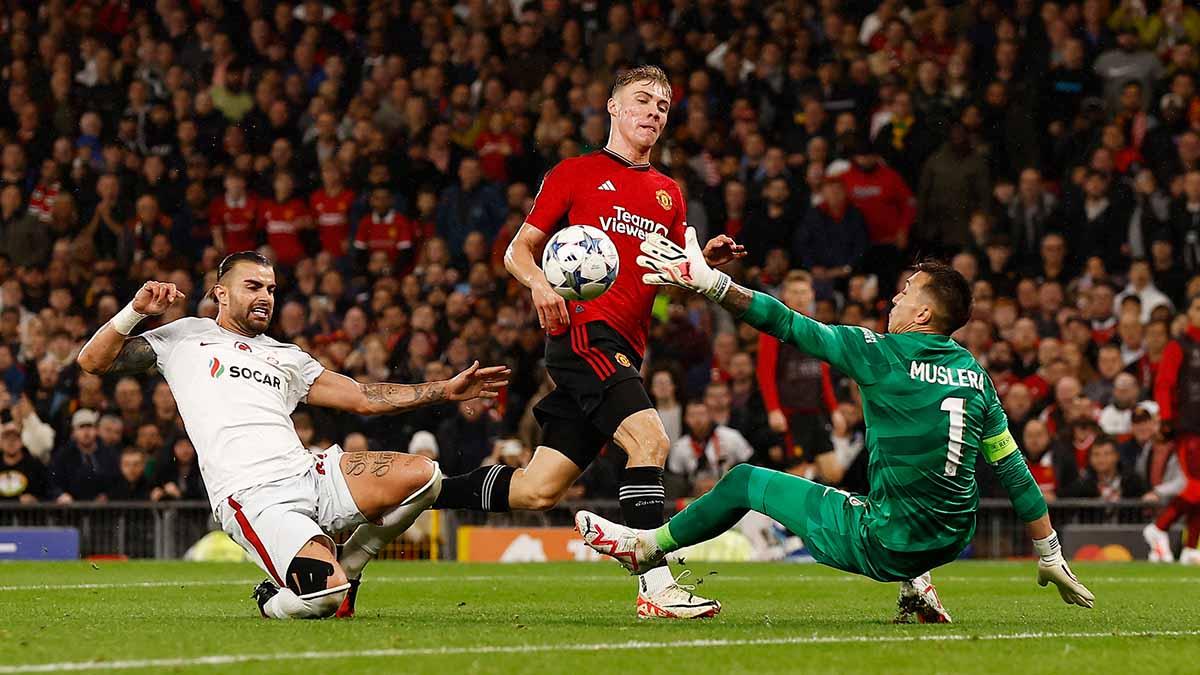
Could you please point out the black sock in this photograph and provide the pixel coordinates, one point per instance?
(642, 497)
(484, 489)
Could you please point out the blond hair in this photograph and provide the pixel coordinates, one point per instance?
(642, 74)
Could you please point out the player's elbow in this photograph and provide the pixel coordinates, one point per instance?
(88, 362)
(510, 254)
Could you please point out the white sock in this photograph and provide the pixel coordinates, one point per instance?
(657, 579)
(366, 543)
(369, 539)
(285, 605)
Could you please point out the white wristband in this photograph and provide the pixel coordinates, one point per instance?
(126, 320)
(1048, 548)
(716, 292)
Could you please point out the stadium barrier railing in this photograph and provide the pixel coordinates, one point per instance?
(166, 530)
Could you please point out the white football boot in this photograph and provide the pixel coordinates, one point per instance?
(919, 600)
(1189, 556)
(634, 549)
(1160, 544)
(674, 601)
(637, 552)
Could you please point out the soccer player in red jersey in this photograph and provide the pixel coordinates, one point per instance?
(594, 349)
(331, 209)
(283, 218)
(234, 216)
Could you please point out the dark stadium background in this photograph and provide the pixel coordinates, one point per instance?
(1051, 151)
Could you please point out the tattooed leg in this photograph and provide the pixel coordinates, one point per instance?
(391, 489)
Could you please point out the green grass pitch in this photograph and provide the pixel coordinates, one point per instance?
(578, 618)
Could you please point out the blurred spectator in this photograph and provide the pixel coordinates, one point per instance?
(706, 450)
(131, 483)
(666, 403)
(832, 238)
(954, 184)
(84, 469)
(22, 477)
(471, 205)
(424, 444)
(1149, 455)
(177, 473)
(23, 238)
(1116, 419)
(1052, 466)
(797, 389)
(1105, 478)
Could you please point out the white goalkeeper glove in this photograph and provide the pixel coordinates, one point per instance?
(686, 267)
(1052, 568)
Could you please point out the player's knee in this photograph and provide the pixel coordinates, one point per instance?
(423, 478)
(427, 477)
(320, 586)
(649, 448)
(739, 473)
(308, 577)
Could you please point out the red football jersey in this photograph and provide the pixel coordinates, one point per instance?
(332, 215)
(237, 223)
(626, 201)
(283, 230)
(390, 233)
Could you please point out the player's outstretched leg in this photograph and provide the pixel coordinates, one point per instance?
(391, 490)
(919, 600)
(316, 586)
(712, 514)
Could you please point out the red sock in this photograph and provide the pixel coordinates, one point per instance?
(1171, 513)
(1192, 538)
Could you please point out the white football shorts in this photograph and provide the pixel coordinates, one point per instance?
(273, 521)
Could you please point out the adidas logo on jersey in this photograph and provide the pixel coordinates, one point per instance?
(607, 186)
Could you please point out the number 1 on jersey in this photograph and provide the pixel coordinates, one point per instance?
(955, 407)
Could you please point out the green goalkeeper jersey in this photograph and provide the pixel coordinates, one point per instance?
(929, 409)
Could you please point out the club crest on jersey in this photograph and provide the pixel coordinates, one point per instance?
(664, 199)
(243, 346)
(623, 360)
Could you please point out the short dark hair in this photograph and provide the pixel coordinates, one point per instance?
(951, 293)
(233, 259)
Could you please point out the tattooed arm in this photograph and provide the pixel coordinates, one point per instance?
(332, 390)
(737, 300)
(110, 353)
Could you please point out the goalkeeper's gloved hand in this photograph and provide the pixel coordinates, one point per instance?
(1052, 568)
(686, 267)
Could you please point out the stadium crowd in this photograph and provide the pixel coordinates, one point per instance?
(384, 154)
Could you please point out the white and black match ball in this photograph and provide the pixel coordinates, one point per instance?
(580, 262)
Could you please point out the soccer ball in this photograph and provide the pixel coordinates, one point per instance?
(580, 262)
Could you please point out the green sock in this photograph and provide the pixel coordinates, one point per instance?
(662, 536)
(714, 512)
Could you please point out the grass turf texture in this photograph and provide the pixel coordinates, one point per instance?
(552, 618)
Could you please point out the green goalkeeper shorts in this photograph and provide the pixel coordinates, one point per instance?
(834, 527)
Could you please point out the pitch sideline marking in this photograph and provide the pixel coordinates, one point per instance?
(796, 578)
(228, 659)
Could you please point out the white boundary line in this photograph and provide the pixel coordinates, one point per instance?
(228, 659)
(602, 578)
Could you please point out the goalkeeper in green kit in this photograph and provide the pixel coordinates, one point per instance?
(929, 408)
